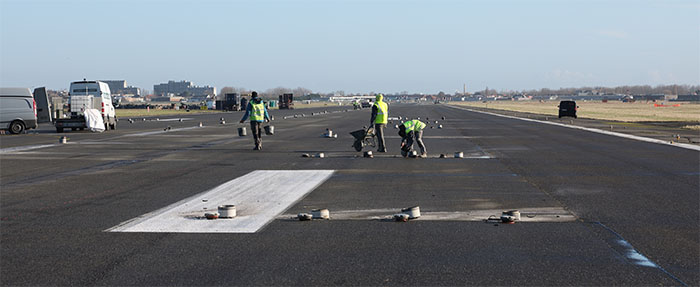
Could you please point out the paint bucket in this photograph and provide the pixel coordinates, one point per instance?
(413, 212)
(227, 211)
(413, 154)
(320, 155)
(514, 213)
(304, 216)
(401, 217)
(368, 154)
(459, 154)
(269, 130)
(242, 132)
(321, 214)
(439, 126)
(63, 140)
(507, 218)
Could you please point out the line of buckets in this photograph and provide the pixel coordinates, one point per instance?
(269, 130)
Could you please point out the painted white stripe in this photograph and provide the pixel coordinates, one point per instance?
(633, 137)
(24, 148)
(161, 132)
(259, 197)
(634, 256)
(537, 214)
(174, 119)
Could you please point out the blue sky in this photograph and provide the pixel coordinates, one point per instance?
(353, 46)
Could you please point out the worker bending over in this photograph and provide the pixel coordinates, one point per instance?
(409, 130)
(258, 113)
(380, 114)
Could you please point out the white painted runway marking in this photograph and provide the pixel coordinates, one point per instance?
(259, 197)
(161, 132)
(174, 119)
(633, 137)
(24, 148)
(537, 214)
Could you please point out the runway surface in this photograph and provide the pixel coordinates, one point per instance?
(597, 209)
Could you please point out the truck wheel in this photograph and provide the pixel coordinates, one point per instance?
(106, 126)
(59, 130)
(113, 126)
(16, 127)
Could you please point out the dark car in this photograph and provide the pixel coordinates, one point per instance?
(366, 104)
(567, 109)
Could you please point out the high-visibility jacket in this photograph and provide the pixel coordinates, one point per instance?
(257, 114)
(413, 125)
(382, 112)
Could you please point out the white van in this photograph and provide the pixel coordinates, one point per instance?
(17, 110)
(88, 95)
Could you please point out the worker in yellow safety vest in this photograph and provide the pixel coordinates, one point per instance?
(409, 130)
(258, 113)
(380, 114)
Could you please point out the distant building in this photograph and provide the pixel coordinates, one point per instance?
(120, 87)
(688, 98)
(177, 88)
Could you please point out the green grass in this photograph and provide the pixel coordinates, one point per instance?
(613, 111)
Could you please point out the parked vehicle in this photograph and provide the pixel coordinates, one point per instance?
(286, 102)
(567, 109)
(17, 110)
(88, 95)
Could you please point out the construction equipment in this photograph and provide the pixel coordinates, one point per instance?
(286, 102)
(232, 102)
(363, 138)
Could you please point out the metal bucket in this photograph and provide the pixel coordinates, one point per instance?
(227, 211)
(321, 214)
(459, 154)
(514, 213)
(413, 212)
(242, 132)
(269, 130)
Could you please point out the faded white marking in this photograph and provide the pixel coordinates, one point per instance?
(539, 214)
(24, 148)
(635, 256)
(627, 136)
(161, 132)
(259, 197)
(175, 119)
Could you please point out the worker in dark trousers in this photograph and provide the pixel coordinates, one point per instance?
(409, 130)
(258, 113)
(380, 114)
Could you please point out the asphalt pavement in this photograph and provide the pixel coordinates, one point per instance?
(597, 209)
